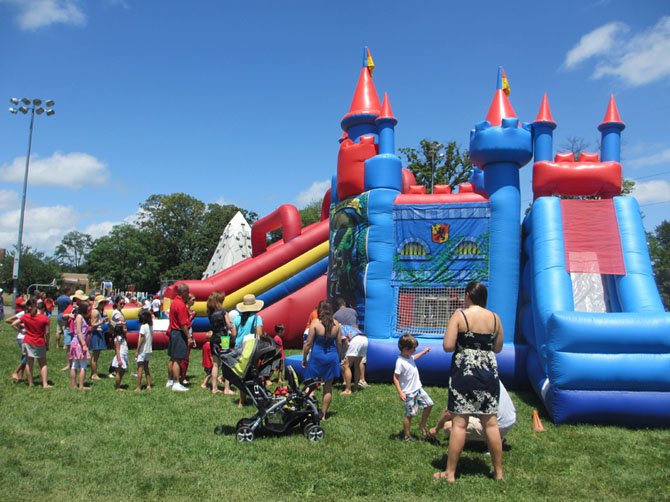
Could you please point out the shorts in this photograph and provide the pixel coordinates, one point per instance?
(177, 348)
(416, 400)
(23, 354)
(79, 364)
(34, 351)
(124, 362)
(208, 371)
(60, 329)
(144, 357)
(358, 346)
(67, 337)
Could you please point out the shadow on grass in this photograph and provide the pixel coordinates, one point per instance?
(466, 465)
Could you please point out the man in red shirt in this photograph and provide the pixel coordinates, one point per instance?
(179, 337)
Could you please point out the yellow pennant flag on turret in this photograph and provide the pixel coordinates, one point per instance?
(369, 62)
(505, 84)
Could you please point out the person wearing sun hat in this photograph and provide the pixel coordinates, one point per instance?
(248, 324)
(69, 315)
(97, 340)
(249, 321)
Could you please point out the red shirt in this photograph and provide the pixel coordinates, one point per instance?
(49, 304)
(35, 329)
(207, 355)
(179, 314)
(280, 345)
(19, 304)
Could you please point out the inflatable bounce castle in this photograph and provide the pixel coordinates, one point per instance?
(584, 324)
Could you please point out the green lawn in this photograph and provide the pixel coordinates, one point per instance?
(60, 444)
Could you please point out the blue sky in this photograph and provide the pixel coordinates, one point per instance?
(240, 102)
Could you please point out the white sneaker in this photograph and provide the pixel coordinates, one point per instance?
(177, 387)
(169, 384)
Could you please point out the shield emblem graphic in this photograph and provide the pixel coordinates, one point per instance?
(440, 233)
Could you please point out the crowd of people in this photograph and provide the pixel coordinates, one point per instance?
(334, 348)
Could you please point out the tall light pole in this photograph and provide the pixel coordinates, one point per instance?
(33, 106)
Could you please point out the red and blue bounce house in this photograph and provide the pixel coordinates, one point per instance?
(573, 284)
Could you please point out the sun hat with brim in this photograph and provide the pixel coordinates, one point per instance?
(79, 294)
(250, 304)
(99, 299)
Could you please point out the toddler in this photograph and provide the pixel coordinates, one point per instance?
(408, 384)
(144, 348)
(207, 363)
(120, 361)
(279, 340)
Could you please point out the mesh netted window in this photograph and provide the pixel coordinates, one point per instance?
(426, 311)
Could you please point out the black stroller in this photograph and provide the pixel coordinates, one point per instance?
(247, 368)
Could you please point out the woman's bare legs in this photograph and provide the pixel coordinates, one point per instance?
(490, 425)
(43, 372)
(327, 397)
(215, 377)
(456, 443)
(94, 365)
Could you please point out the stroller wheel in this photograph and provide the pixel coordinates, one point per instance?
(245, 434)
(314, 433)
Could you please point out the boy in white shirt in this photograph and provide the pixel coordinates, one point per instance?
(408, 384)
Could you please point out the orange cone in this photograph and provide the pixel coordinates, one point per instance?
(537, 423)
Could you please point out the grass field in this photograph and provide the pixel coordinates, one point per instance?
(61, 444)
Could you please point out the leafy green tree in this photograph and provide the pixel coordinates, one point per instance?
(71, 252)
(172, 222)
(36, 268)
(311, 213)
(186, 231)
(126, 256)
(659, 250)
(438, 164)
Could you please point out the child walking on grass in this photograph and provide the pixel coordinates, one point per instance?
(120, 361)
(207, 363)
(144, 348)
(408, 384)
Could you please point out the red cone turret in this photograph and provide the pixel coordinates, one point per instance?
(386, 112)
(365, 101)
(612, 113)
(501, 108)
(544, 115)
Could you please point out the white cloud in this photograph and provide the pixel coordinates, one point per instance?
(43, 227)
(35, 14)
(8, 198)
(315, 192)
(97, 230)
(662, 157)
(598, 42)
(638, 60)
(648, 192)
(71, 170)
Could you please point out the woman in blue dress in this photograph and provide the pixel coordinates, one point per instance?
(97, 340)
(323, 348)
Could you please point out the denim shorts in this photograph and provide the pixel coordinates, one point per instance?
(79, 364)
(416, 400)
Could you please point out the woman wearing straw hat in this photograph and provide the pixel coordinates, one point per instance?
(248, 323)
(97, 341)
